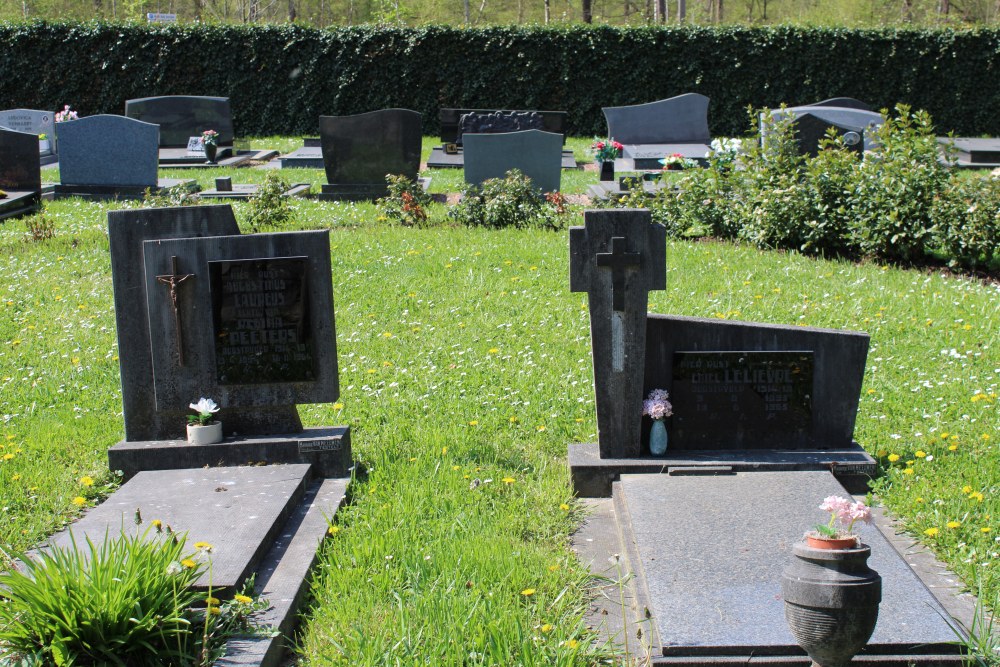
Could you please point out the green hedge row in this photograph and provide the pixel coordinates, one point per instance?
(281, 78)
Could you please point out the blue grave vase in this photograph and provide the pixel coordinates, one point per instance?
(658, 438)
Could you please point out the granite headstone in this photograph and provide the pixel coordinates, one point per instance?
(678, 120)
(450, 119)
(108, 150)
(360, 150)
(181, 117)
(33, 122)
(20, 173)
(537, 154)
(844, 103)
(499, 121)
(811, 123)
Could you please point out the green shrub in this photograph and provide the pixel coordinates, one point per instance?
(406, 202)
(512, 201)
(268, 207)
(967, 222)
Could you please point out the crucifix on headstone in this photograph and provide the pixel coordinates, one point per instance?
(617, 257)
(173, 280)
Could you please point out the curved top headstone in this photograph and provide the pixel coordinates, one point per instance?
(19, 165)
(843, 102)
(677, 120)
(107, 150)
(363, 148)
(181, 117)
(537, 154)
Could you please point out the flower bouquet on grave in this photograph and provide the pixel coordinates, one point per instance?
(676, 161)
(657, 407)
(210, 141)
(66, 114)
(203, 428)
(838, 533)
(606, 150)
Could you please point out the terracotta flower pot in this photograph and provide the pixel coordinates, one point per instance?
(821, 542)
(207, 434)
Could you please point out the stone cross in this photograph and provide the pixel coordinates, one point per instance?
(173, 280)
(617, 257)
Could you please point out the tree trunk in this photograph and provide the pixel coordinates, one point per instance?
(291, 11)
(548, 11)
(587, 7)
(661, 11)
(681, 10)
(468, 16)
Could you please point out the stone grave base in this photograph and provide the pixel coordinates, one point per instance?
(48, 160)
(441, 160)
(637, 157)
(707, 553)
(360, 191)
(614, 190)
(18, 203)
(307, 157)
(104, 192)
(177, 158)
(973, 153)
(247, 190)
(267, 521)
(328, 450)
(593, 476)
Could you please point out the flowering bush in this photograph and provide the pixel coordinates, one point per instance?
(606, 150)
(66, 114)
(206, 409)
(843, 515)
(210, 138)
(657, 405)
(676, 160)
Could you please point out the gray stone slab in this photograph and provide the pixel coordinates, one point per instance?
(237, 510)
(364, 148)
(617, 257)
(127, 229)
(440, 160)
(108, 150)
(711, 551)
(360, 191)
(254, 325)
(181, 117)
(593, 475)
(537, 154)
(248, 190)
(19, 166)
(640, 157)
(678, 120)
(703, 416)
(844, 103)
(973, 151)
(327, 449)
(449, 120)
(110, 192)
(34, 122)
(307, 157)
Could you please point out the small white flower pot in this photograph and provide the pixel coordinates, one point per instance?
(208, 434)
(44, 145)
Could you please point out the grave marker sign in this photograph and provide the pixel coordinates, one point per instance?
(617, 257)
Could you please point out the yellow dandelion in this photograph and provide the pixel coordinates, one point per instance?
(76, 361)
(444, 450)
(338, 406)
(540, 428)
(212, 601)
(572, 643)
(14, 478)
(189, 564)
(966, 489)
(553, 568)
(528, 592)
(908, 471)
(513, 420)
(494, 350)
(202, 546)
(985, 529)
(931, 532)
(546, 628)
(919, 500)
(474, 422)
(87, 480)
(954, 524)
(386, 334)
(952, 448)
(893, 458)
(456, 467)
(564, 507)
(243, 599)
(920, 454)
(8, 456)
(157, 524)
(214, 611)
(333, 530)
(79, 501)
(508, 480)
(977, 496)
(412, 459)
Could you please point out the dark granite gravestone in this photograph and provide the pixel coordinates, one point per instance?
(535, 153)
(617, 257)
(181, 117)
(650, 132)
(37, 123)
(843, 103)
(20, 173)
(108, 156)
(499, 121)
(359, 151)
(972, 152)
(450, 155)
(811, 123)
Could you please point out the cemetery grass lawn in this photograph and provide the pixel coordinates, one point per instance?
(465, 373)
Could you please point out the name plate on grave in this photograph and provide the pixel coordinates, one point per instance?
(741, 400)
(195, 147)
(260, 309)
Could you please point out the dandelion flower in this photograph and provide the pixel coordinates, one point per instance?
(333, 530)
(985, 529)
(966, 489)
(908, 471)
(564, 507)
(214, 611)
(954, 524)
(572, 643)
(931, 532)
(893, 458)
(87, 480)
(528, 592)
(547, 628)
(203, 546)
(189, 564)
(79, 501)
(212, 601)
(243, 599)
(920, 453)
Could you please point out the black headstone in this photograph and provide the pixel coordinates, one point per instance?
(19, 164)
(499, 121)
(449, 119)
(181, 117)
(810, 130)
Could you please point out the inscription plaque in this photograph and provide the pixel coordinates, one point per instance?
(260, 309)
(722, 399)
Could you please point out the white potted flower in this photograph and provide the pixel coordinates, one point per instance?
(203, 428)
(44, 145)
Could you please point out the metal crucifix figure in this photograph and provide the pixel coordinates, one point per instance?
(172, 281)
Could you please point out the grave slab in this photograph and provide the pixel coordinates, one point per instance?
(439, 159)
(307, 157)
(534, 152)
(973, 152)
(238, 510)
(248, 190)
(710, 550)
(647, 156)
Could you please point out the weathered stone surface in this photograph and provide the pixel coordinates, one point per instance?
(712, 563)
(537, 154)
(617, 257)
(677, 120)
(552, 121)
(127, 229)
(499, 121)
(238, 510)
(108, 150)
(764, 419)
(181, 117)
(362, 149)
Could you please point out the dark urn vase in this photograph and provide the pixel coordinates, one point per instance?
(831, 601)
(608, 170)
(211, 150)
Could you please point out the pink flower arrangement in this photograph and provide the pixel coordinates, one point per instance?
(843, 515)
(606, 150)
(210, 138)
(66, 114)
(657, 405)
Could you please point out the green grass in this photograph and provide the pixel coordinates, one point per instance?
(464, 357)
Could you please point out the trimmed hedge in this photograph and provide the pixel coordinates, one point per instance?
(281, 78)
